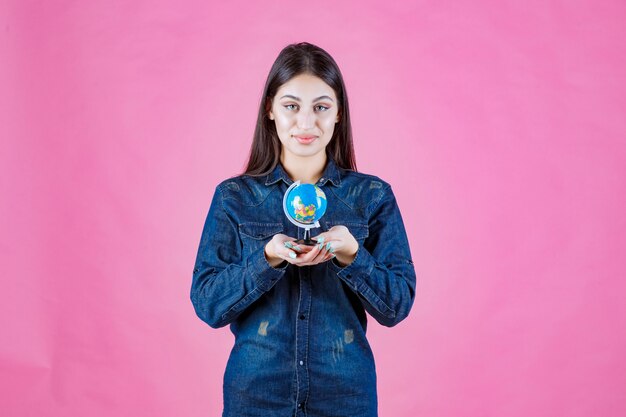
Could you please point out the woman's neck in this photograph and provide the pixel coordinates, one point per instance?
(308, 169)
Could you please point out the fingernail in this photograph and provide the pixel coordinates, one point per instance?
(298, 248)
(288, 244)
(328, 246)
(292, 255)
(331, 250)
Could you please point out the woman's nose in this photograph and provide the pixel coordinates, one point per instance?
(306, 119)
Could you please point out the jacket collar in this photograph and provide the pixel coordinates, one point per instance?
(331, 173)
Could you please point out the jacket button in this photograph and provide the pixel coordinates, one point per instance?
(349, 276)
(302, 317)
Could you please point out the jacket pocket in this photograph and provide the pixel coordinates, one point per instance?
(255, 235)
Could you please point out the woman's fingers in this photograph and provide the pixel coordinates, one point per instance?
(285, 248)
(319, 253)
(292, 245)
(303, 255)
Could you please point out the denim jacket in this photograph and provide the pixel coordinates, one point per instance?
(300, 346)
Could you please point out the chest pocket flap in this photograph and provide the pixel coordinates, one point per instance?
(261, 231)
(255, 235)
(360, 231)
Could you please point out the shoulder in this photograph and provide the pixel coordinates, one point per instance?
(244, 189)
(359, 189)
(364, 179)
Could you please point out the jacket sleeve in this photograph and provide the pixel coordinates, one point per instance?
(223, 283)
(382, 273)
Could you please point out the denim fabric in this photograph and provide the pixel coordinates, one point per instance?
(300, 346)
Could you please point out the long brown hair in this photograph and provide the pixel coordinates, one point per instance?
(293, 60)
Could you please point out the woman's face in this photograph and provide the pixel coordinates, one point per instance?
(305, 112)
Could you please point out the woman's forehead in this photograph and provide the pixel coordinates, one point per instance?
(306, 87)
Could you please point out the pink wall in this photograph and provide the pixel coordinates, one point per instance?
(501, 126)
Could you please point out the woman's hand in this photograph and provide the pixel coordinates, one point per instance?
(341, 243)
(282, 248)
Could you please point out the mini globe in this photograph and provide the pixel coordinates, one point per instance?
(304, 204)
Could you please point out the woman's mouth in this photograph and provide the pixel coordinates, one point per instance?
(305, 139)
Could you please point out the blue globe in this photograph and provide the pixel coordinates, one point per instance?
(306, 203)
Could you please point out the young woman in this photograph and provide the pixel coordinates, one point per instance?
(298, 312)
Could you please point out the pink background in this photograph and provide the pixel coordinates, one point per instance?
(500, 125)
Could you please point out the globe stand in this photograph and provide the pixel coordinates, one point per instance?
(307, 241)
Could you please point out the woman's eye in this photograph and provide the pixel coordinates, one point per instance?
(295, 106)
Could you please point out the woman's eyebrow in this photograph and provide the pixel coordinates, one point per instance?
(317, 99)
